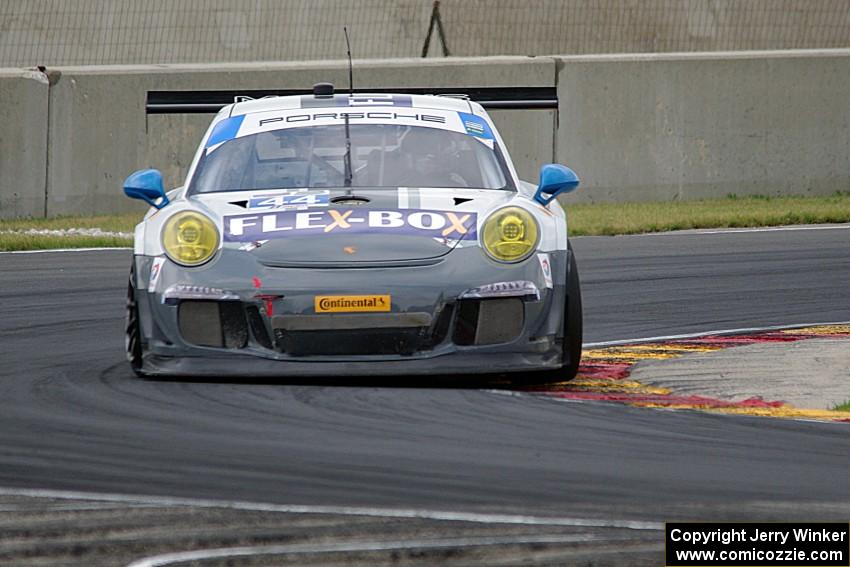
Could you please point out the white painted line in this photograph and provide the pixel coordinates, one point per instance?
(300, 549)
(473, 517)
(767, 229)
(704, 231)
(710, 334)
(65, 250)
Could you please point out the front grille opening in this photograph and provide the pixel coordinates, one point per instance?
(258, 328)
(350, 200)
(233, 325)
(466, 322)
(441, 326)
(488, 321)
(212, 323)
(400, 341)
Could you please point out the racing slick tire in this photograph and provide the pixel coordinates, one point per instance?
(132, 330)
(572, 321)
(572, 335)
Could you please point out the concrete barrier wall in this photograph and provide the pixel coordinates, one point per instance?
(23, 142)
(132, 32)
(635, 128)
(99, 132)
(691, 126)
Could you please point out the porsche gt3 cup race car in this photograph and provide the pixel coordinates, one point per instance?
(365, 234)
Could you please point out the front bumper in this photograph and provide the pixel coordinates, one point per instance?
(419, 291)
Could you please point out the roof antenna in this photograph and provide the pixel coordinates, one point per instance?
(350, 68)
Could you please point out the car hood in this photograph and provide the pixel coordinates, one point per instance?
(339, 227)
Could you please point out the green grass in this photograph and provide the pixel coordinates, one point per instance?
(112, 223)
(46, 242)
(12, 240)
(843, 407)
(731, 212)
(585, 219)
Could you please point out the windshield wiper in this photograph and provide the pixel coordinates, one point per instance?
(348, 172)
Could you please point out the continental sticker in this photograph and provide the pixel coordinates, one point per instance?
(289, 223)
(351, 303)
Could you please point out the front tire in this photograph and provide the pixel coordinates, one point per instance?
(572, 321)
(571, 343)
(132, 329)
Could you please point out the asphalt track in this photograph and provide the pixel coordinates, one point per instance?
(73, 417)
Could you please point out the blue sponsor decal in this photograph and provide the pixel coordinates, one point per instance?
(300, 199)
(225, 130)
(286, 224)
(476, 126)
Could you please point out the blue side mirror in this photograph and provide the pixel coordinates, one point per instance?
(146, 184)
(554, 180)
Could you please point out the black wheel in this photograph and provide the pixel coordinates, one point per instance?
(573, 322)
(571, 346)
(132, 331)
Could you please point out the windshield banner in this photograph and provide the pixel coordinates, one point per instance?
(256, 122)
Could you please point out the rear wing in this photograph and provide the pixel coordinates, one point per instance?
(203, 102)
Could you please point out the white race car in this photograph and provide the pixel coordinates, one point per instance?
(362, 234)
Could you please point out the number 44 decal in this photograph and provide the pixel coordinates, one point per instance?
(287, 200)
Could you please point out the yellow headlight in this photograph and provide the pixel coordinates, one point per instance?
(510, 234)
(189, 238)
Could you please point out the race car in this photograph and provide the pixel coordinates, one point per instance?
(353, 235)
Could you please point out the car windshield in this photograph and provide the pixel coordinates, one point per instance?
(382, 155)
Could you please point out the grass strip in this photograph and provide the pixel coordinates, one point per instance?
(843, 407)
(111, 223)
(609, 219)
(12, 241)
(585, 219)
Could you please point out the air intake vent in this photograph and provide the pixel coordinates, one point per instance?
(213, 323)
(258, 328)
(349, 200)
(488, 321)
